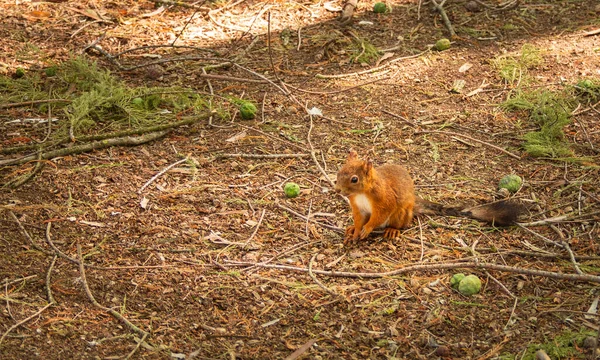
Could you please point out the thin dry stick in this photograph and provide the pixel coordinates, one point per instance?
(273, 137)
(23, 322)
(33, 102)
(314, 157)
(307, 217)
(312, 276)
(541, 236)
(48, 280)
(75, 261)
(377, 68)
(96, 145)
(572, 257)
(263, 156)
(337, 91)
(33, 244)
(160, 173)
(472, 139)
(96, 303)
(429, 267)
(330, 227)
(139, 343)
(421, 238)
(447, 23)
(7, 282)
(262, 215)
(552, 220)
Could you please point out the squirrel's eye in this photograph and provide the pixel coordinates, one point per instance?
(354, 179)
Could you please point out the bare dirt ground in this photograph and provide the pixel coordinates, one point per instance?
(189, 267)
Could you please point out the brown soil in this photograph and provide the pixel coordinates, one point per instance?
(167, 267)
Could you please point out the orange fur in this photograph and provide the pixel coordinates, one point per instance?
(381, 197)
(384, 197)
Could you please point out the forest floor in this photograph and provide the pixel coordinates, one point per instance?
(209, 260)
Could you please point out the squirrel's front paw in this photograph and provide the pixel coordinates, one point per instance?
(364, 232)
(349, 236)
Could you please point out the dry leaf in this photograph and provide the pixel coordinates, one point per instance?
(466, 66)
(37, 15)
(92, 223)
(237, 137)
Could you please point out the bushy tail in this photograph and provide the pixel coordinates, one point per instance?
(499, 213)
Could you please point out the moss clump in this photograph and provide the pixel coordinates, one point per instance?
(551, 111)
(95, 100)
(364, 51)
(514, 67)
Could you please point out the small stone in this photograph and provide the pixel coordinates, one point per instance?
(442, 351)
(589, 342)
(472, 6)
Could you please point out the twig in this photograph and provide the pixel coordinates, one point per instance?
(262, 215)
(541, 236)
(317, 281)
(314, 157)
(405, 120)
(48, 282)
(552, 220)
(114, 134)
(23, 322)
(307, 217)
(263, 156)
(33, 244)
(377, 68)
(301, 350)
(96, 303)
(470, 138)
(160, 173)
(337, 91)
(447, 23)
(429, 267)
(33, 102)
(19, 181)
(139, 343)
(572, 257)
(273, 137)
(97, 145)
(7, 282)
(330, 227)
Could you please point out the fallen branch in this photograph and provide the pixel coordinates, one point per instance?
(429, 267)
(32, 102)
(97, 304)
(23, 322)
(97, 145)
(110, 135)
(440, 9)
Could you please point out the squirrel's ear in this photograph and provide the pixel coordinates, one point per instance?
(352, 155)
(368, 165)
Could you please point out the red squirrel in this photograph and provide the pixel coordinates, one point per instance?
(384, 197)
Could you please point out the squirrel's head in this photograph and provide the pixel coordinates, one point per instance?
(354, 176)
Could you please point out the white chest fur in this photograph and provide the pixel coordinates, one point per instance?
(363, 204)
